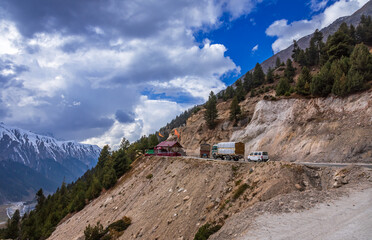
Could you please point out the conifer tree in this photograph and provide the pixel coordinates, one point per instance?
(211, 111)
(247, 83)
(283, 86)
(258, 76)
(303, 83)
(322, 83)
(13, 226)
(270, 75)
(290, 71)
(234, 109)
(240, 92)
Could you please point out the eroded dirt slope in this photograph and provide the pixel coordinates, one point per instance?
(292, 129)
(315, 130)
(170, 198)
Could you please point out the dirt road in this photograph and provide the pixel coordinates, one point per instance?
(347, 218)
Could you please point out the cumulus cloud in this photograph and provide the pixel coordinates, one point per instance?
(100, 56)
(159, 111)
(286, 32)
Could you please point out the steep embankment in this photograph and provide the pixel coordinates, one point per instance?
(315, 130)
(294, 129)
(171, 198)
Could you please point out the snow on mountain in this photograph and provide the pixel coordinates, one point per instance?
(28, 148)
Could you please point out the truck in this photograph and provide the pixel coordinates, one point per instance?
(228, 150)
(205, 150)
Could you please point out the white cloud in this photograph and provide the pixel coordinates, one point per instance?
(150, 116)
(255, 48)
(100, 63)
(287, 32)
(317, 5)
(9, 37)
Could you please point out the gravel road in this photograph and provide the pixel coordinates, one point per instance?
(349, 217)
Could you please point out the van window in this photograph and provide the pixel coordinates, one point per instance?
(256, 153)
(251, 154)
(264, 153)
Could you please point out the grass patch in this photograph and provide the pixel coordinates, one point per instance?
(238, 182)
(240, 191)
(149, 176)
(113, 231)
(206, 230)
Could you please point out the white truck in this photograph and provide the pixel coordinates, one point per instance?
(228, 150)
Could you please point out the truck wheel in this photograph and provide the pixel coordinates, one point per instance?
(214, 156)
(228, 158)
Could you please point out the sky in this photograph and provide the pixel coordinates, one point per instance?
(97, 71)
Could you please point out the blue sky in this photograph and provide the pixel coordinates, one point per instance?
(97, 71)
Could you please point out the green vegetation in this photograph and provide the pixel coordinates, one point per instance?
(149, 176)
(49, 211)
(241, 189)
(211, 111)
(115, 229)
(345, 62)
(206, 231)
(235, 110)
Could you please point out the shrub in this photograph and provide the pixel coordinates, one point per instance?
(120, 225)
(149, 176)
(240, 191)
(206, 230)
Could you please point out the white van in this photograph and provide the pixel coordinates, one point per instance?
(258, 156)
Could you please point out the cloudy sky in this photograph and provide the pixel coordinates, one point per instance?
(97, 71)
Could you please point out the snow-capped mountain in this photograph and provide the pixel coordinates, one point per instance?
(28, 148)
(56, 160)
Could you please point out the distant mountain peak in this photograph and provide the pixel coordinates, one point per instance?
(56, 160)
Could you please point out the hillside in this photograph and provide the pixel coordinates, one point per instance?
(303, 43)
(293, 129)
(183, 194)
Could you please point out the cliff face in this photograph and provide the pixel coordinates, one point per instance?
(315, 130)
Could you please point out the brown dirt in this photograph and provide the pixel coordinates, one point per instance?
(185, 193)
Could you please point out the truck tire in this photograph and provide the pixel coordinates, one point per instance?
(228, 158)
(214, 156)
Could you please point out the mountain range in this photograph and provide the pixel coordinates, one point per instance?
(29, 161)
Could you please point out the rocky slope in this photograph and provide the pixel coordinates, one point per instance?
(171, 198)
(293, 129)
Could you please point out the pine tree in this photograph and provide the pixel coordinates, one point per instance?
(303, 83)
(283, 86)
(296, 51)
(211, 111)
(240, 92)
(290, 71)
(270, 75)
(247, 83)
(364, 30)
(258, 76)
(234, 109)
(322, 83)
(13, 226)
(340, 43)
(105, 153)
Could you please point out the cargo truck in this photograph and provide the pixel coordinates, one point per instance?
(228, 150)
(205, 150)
